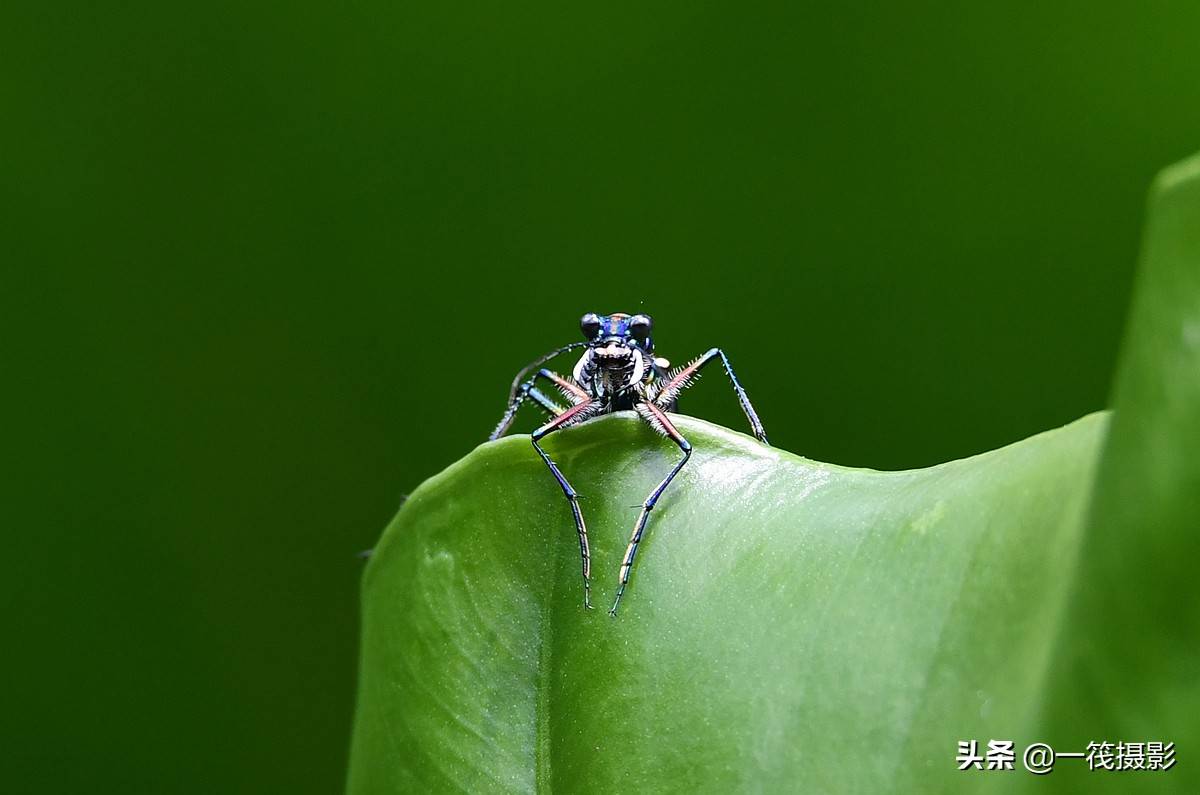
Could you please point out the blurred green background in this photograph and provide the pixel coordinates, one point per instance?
(268, 266)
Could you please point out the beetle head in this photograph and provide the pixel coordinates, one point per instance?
(613, 336)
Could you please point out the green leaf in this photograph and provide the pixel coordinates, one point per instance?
(785, 616)
(793, 625)
(1128, 661)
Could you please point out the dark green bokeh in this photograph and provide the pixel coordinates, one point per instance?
(266, 268)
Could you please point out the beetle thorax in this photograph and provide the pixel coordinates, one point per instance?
(614, 376)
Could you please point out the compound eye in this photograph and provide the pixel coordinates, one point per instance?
(639, 327)
(589, 324)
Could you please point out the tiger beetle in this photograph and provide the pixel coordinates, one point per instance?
(617, 371)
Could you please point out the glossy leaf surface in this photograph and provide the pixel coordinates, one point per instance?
(783, 614)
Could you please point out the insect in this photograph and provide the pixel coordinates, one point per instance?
(617, 371)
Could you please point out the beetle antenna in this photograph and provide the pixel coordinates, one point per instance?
(538, 362)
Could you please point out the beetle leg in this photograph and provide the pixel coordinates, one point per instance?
(514, 399)
(658, 420)
(684, 376)
(570, 389)
(529, 390)
(576, 413)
